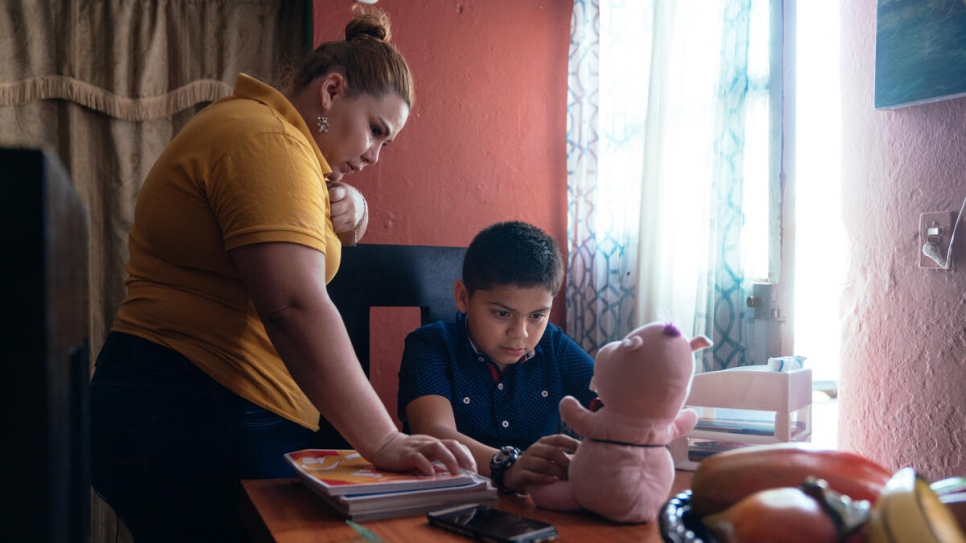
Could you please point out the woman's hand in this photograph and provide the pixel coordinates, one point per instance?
(543, 462)
(349, 212)
(401, 452)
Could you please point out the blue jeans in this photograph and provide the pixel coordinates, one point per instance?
(169, 444)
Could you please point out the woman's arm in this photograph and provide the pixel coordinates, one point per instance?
(286, 283)
(433, 415)
(543, 462)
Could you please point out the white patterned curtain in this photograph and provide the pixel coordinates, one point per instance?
(656, 147)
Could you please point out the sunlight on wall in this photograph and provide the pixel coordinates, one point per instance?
(820, 235)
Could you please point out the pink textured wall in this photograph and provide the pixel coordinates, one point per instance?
(485, 141)
(903, 382)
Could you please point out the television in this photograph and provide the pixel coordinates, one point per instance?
(920, 52)
(44, 230)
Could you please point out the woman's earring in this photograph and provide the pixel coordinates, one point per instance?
(323, 123)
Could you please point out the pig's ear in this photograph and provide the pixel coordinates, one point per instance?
(700, 342)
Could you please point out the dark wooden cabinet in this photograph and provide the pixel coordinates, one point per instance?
(44, 241)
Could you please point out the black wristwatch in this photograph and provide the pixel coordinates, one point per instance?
(500, 464)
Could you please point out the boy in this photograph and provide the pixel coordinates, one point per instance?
(493, 379)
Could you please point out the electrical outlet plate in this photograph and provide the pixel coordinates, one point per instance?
(943, 220)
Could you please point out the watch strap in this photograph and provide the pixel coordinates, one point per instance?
(501, 463)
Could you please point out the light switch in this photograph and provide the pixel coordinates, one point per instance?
(935, 228)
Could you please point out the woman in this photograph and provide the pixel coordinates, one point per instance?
(227, 348)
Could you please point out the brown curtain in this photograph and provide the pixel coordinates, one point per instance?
(105, 84)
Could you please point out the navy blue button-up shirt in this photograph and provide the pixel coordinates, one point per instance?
(516, 408)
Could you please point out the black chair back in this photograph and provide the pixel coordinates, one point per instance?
(373, 275)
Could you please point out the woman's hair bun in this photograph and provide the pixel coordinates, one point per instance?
(374, 24)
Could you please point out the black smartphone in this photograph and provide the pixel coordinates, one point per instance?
(492, 525)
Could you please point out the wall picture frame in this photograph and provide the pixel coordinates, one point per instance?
(920, 52)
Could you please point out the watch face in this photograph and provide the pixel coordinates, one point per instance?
(506, 453)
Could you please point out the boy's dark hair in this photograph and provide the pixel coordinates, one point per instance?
(512, 253)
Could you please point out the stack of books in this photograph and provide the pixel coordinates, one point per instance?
(360, 492)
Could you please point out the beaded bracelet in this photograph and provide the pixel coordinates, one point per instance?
(355, 229)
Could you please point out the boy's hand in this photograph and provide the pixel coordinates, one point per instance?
(543, 462)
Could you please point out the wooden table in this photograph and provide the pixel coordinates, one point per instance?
(286, 511)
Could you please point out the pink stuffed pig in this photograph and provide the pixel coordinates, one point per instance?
(623, 470)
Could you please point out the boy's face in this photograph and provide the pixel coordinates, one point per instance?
(505, 322)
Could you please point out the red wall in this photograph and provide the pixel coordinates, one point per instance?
(486, 140)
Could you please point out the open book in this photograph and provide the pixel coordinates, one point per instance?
(352, 486)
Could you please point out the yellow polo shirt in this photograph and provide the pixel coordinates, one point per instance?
(244, 170)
